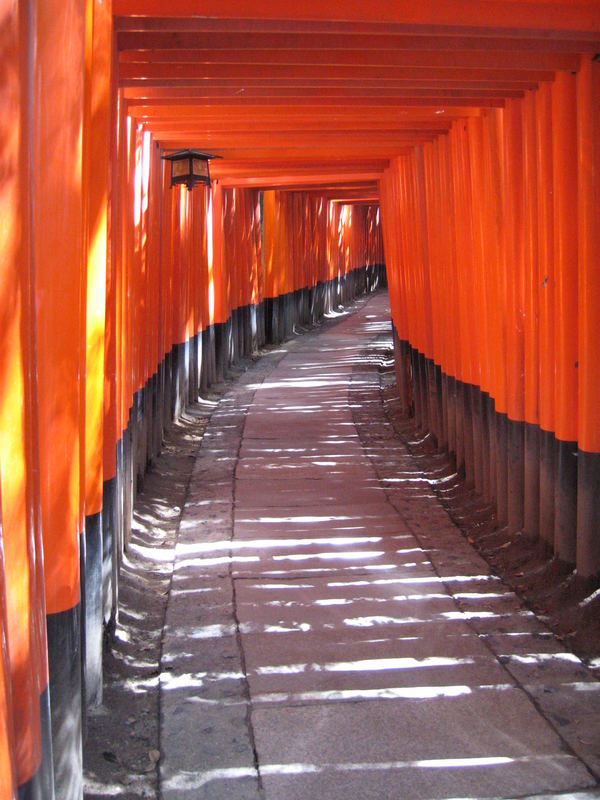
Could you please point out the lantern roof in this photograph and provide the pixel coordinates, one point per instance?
(189, 153)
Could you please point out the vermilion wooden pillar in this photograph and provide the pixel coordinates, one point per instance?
(8, 764)
(514, 308)
(27, 750)
(564, 150)
(480, 392)
(451, 329)
(59, 275)
(588, 148)
(110, 419)
(546, 282)
(531, 510)
(96, 137)
(499, 294)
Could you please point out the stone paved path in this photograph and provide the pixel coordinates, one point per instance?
(330, 634)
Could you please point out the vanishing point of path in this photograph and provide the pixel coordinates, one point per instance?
(330, 634)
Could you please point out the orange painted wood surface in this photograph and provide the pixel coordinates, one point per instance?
(456, 142)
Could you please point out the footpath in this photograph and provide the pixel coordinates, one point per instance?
(300, 618)
(329, 632)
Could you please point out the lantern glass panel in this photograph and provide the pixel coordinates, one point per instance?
(180, 168)
(200, 167)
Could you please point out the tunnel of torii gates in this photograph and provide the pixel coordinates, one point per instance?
(461, 139)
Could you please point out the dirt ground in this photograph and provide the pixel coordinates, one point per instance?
(122, 747)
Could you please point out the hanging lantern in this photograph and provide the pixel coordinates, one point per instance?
(189, 167)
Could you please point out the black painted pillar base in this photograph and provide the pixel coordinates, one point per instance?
(157, 413)
(64, 661)
(432, 401)
(167, 402)
(502, 468)
(118, 530)
(484, 419)
(588, 514)
(445, 442)
(242, 335)
(547, 487)
(275, 321)
(312, 304)
(328, 298)
(199, 365)
(516, 475)
(493, 458)
(220, 352)
(233, 337)
(110, 557)
(207, 373)
(245, 336)
(468, 435)
(204, 368)
(451, 415)
(149, 421)
(400, 352)
(160, 406)
(93, 610)
(285, 317)
(565, 501)
(460, 428)
(247, 330)
(229, 345)
(321, 300)
(439, 407)
(271, 320)
(285, 328)
(425, 426)
(82, 632)
(194, 368)
(416, 387)
(46, 770)
(305, 319)
(298, 307)
(182, 384)
(41, 785)
(250, 329)
(139, 442)
(477, 428)
(174, 385)
(128, 481)
(260, 324)
(531, 512)
(253, 314)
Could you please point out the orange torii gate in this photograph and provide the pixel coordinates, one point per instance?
(463, 135)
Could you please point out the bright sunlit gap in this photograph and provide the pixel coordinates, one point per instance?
(366, 665)
(385, 693)
(196, 780)
(271, 544)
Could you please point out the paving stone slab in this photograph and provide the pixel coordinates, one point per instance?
(482, 745)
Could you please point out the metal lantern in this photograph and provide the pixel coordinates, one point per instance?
(189, 167)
